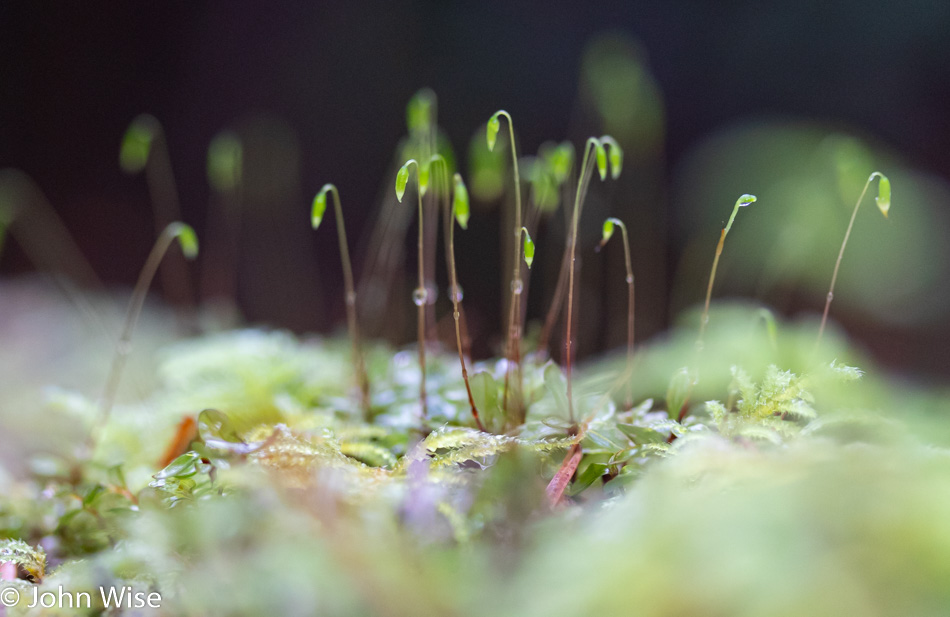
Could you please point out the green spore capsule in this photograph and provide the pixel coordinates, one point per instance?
(528, 247)
(883, 198)
(402, 178)
(615, 155)
(460, 202)
(494, 125)
(186, 238)
(137, 143)
(319, 207)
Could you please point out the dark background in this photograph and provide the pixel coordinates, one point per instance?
(333, 80)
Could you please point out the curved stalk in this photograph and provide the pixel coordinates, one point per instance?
(587, 169)
(421, 293)
(513, 351)
(460, 212)
(316, 216)
(608, 232)
(743, 201)
(27, 215)
(145, 149)
(883, 200)
(564, 173)
(189, 246)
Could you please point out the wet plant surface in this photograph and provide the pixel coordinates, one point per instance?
(739, 464)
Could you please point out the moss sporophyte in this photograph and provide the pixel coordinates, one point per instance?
(608, 232)
(743, 201)
(513, 376)
(447, 464)
(586, 170)
(883, 201)
(189, 246)
(316, 217)
(420, 295)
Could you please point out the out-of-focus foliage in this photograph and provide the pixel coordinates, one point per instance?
(755, 473)
(624, 93)
(740, 487)
(808, 183)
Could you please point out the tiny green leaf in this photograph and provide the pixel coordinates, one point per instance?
(188, 239)
(601, 153)
(32, 560)
(883, 198)
(460, 205)
(184, 466)
(528, 247)
(681, 384)
(137, 143)
(640, 434)
(402, 178)
(215, 425)
(494, 124)
(484, 391)
(556, 385)
(319, 207)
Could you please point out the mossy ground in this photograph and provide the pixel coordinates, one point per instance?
(800, 488)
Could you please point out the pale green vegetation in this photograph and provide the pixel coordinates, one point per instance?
(254, 478)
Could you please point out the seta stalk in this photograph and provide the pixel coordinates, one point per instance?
(587, 169)
(316, 217)
(608, 232)
(460, 212)
(513, 347)
(420, 294)
(189, 245)
(145, 149)
(742, 202)
(883, 201)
